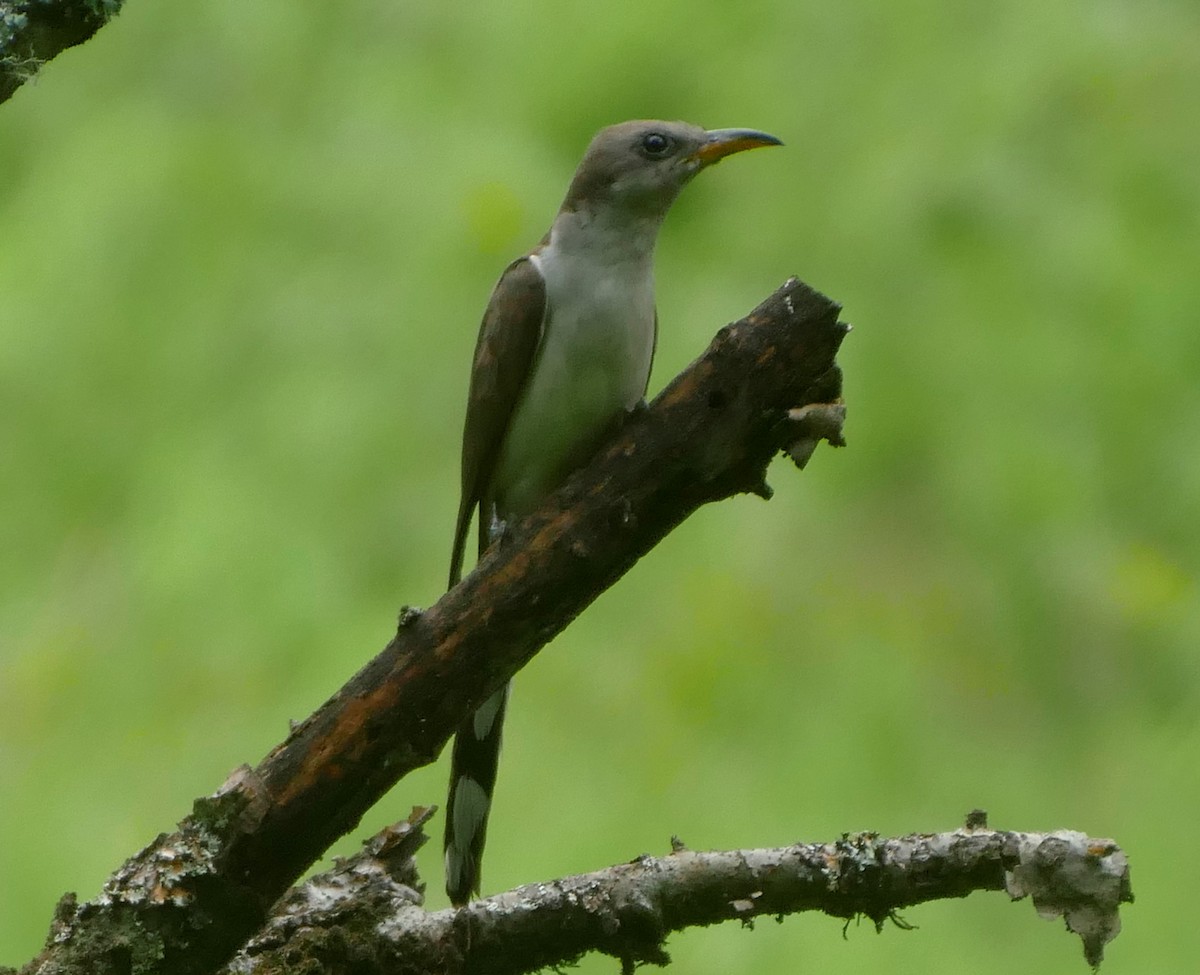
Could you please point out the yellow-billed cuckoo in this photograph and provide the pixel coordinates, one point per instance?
(563, 354)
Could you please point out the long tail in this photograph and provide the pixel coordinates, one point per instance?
(472, 779)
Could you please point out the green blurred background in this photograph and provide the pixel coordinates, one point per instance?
(245, 249)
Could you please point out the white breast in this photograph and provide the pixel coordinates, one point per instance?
(592, 366)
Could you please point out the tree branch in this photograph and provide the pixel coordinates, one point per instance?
(34, 31)
(365, 916)
(188, 901)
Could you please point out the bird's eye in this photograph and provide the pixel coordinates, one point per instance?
(656, 145)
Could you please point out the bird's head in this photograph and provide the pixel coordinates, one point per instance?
(641, 166)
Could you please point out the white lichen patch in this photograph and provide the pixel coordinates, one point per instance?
(1075, 877)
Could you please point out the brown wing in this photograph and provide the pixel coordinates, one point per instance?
(504, 352)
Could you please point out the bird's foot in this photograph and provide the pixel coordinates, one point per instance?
(498, 531)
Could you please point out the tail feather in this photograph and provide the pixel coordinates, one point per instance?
(472, 778)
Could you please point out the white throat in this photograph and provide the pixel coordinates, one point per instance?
(604, 235)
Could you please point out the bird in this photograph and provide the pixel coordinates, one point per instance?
(563, 355)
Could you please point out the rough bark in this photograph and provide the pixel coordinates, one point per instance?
(189, 900)
(365, 916)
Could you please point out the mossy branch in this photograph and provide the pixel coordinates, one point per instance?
(34, 31)
(365, 916)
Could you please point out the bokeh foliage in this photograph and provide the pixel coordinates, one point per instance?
(245, 247)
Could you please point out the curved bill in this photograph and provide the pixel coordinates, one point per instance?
(725, 142)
